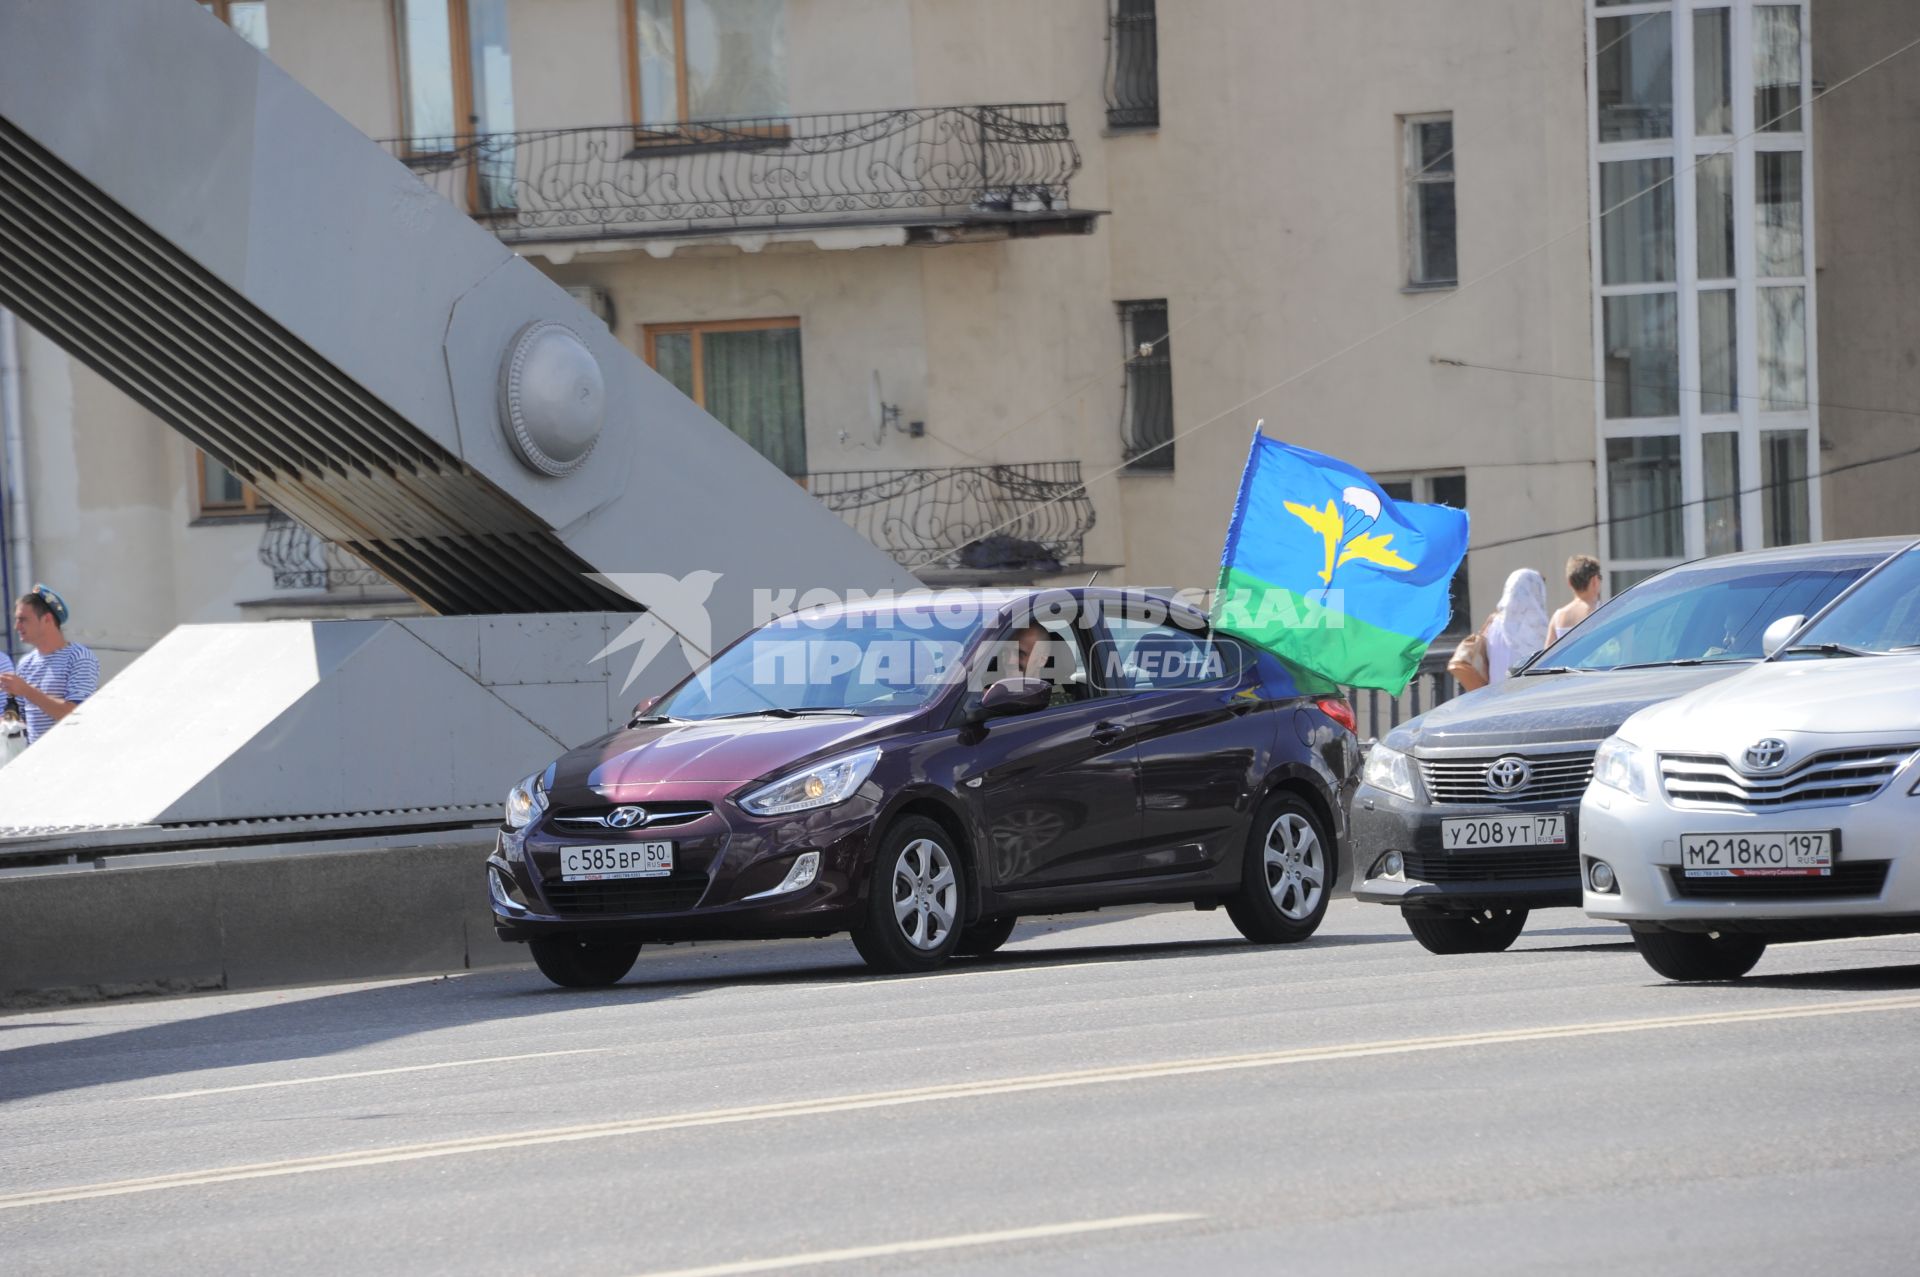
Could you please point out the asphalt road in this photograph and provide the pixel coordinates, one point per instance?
(1133, 1094)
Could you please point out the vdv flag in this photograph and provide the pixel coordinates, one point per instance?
(1332, 575)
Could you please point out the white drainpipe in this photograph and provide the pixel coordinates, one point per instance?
(13, 464)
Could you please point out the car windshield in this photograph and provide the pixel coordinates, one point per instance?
(1883, 615)
(1700, 614)
(855, 663)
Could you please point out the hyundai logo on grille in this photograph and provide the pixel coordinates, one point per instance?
(626, 817)
(1508, 774)
(1767, 754)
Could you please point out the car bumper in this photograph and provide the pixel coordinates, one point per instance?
(1518, 877)
(724, 863)
(1875, 884)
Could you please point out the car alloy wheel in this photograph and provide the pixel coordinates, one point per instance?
(1285, 875)
(1296, 867)
(915, 888)
(926, 894)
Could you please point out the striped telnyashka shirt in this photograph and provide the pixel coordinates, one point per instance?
(71, 674)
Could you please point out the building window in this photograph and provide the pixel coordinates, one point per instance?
(706, 60)
(746, 373)
(219, 493)
(1133, 65)
(1147, 414)
(1441, 489)
(1706, 371)
(1432, 235)
(451, 99)
(248, 18)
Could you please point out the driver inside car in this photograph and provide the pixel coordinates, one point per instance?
(1045, 655)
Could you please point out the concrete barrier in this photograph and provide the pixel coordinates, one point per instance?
(252, 919)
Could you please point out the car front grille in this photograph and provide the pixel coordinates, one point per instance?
(1849, 878)
(624, 896)
(1829, 777)
(1491, 866)
(659, 816)
(1464, 780)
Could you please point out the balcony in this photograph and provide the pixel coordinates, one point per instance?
(957, 524)
(938, 173)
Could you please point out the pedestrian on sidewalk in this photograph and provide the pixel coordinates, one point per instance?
(55, 675)
(1583, 578)
(1518, 627)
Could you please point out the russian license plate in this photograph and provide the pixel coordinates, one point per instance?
(628, 860)
(1548, 829)
(1782, 855)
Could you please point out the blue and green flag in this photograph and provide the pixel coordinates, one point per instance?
(1332, 575)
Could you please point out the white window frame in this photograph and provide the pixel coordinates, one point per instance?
(1412, 178)
(1685, 149)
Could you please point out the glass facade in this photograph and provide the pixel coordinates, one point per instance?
(1702, 242)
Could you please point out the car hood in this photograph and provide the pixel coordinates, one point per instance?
(721, 752)
(1550, 709)
(1839, 696)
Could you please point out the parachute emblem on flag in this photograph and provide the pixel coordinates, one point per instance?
(1358, 543)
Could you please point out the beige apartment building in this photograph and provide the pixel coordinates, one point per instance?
(1032, 269)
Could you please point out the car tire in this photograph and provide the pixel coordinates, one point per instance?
(985, 935)
(1286, 876)
(582, 964)
(914, 900)
(1689, 956)
(1482, 931)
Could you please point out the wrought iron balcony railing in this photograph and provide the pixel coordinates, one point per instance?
(920, 165)
(302, 561)
(966, 516)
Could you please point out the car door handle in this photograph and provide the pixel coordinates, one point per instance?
(1107, 733)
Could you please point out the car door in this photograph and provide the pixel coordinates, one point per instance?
(1197, 738)
(1056, 786)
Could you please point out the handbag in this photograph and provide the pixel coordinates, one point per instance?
(1468, 664)
(13, 732)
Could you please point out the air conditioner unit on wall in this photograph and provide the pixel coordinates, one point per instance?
(595, 299)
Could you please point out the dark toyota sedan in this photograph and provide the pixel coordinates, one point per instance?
(1466, 817)
(922, 772)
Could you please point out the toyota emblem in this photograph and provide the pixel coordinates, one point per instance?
(626, 817)
(1508, 774)
(1767, 754)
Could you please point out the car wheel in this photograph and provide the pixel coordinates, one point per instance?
(986, 934)
(582, 964)
(1285, 880)
(912, 919)
(1482, 931)
(1686, 955)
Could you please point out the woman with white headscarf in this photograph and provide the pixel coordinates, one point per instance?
(1518, 627)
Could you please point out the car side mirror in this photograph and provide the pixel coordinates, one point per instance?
(1778, 633)
(1014, 696)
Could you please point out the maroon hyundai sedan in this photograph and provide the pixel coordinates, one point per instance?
(921, 772)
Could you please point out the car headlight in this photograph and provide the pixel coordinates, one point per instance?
(1621, 765)
(1389, 770)
(525, 801)
(821, 785)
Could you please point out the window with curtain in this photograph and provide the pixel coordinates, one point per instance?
(1776, 68)
(1633, 68)
(1783, 482)
(747, 374)
(1642, 355)
(220, 493)
(1636, 222)
(248, 18)
(1779, 234)
(1720, 455)
(1712, 72)
(1783, 349)
(707, 60)
(1643, 498)
(1719, 352)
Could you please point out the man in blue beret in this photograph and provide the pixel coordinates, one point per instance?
(55, 675)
